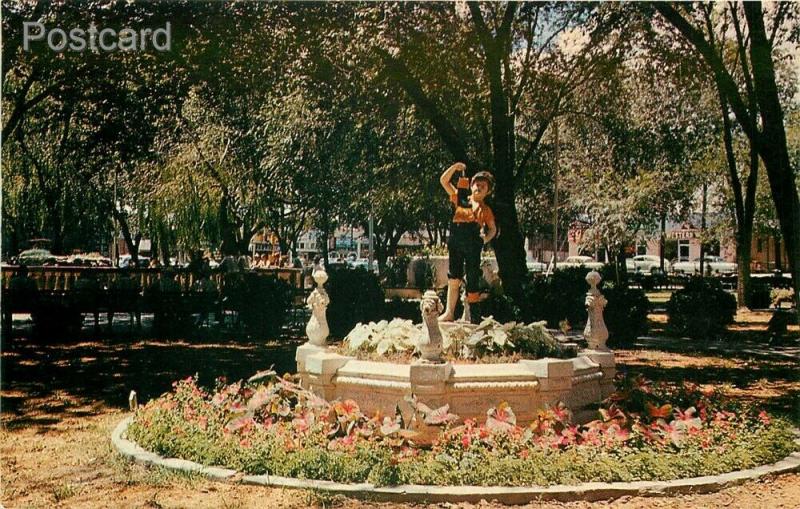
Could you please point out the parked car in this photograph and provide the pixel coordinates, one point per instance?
(646, 264)
(124, 261)
(714, 265)
(363, 263)
(580, 261)
(36, 257)
(535, 266)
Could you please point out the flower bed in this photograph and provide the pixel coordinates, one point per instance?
(645, 431)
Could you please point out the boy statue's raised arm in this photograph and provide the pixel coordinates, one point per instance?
(447, 176)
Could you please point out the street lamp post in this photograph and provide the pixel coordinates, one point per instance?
(371, 241)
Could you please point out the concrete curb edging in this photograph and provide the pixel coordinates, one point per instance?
(590, 491)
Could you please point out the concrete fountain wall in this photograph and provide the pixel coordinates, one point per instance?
(470, 389)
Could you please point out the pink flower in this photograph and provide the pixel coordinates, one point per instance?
(303, 423)
(764, 417)
(242, 424)
(613, 414)
(501, 419)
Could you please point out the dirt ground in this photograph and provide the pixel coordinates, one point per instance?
(60, 402)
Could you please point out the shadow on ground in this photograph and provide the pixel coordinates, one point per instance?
(769, 382)
(45, 381)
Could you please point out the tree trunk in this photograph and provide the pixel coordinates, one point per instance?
(381, 255)
(619, 266)
(385, 245)
(56, 222)
(230, 242)
(662, 241)
(703, 232)
(509, 244)
(743, 267)
(772, 143)
(133, 246)
(744, 208)
(164, 247)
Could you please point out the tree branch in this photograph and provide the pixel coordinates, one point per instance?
(721, 75)
(398, 71)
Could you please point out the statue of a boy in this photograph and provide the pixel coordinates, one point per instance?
(472, 227)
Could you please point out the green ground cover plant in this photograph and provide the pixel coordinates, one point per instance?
(460, 341)
(644, 431)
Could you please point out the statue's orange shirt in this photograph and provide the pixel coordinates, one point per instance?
(480, 214)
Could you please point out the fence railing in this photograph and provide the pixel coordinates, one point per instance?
(57, 296)
(63, 279)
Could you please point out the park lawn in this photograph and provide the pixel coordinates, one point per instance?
(56, 450)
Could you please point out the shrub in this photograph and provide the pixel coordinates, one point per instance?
(424, 273)
(702, 308)
(356, 296)
(759, 295)
(559, 297)
(500, 306)
(395, 274)
(563, 296)
(407, 309)
(262, 303)
(626, 314)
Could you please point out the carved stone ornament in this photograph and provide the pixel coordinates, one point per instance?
(431, 345)
(317, 328)
(596, 333)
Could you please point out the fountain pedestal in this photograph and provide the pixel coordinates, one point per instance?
(528, 386)
(470, 389)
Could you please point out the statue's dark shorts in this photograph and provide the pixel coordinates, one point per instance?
(465, 246)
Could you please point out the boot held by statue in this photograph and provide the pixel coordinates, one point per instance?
(475, 307)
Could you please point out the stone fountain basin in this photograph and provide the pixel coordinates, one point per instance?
(528, 386)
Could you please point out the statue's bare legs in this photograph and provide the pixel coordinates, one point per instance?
(453, 286)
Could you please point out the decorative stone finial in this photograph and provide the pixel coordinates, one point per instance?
(317, 328)
(596, 333)
(431, 346)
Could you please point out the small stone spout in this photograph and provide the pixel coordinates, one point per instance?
(431, 345)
